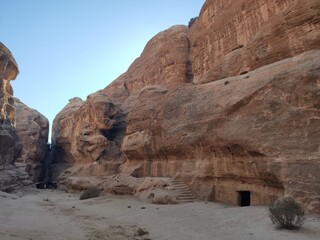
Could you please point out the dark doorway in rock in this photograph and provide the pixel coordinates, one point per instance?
(244, 198)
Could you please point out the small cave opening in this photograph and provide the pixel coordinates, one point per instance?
(244, 72)
(117, 131)
(110, 134)
(244, 198)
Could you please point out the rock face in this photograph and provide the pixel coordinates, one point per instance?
(230, 106)
(89, 133)
(164, 62)
(8, 71)
(10, 144)
(250, 134)
(234, 37)
(32, 128)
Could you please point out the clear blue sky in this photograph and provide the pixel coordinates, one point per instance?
(71, 48)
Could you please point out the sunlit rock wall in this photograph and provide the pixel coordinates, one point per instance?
(233, 37)
(33, 129)
(229, 105)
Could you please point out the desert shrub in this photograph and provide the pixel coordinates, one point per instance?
(287, 213)
(141, 231)
(91, 192)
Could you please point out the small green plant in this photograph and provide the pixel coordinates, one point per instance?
(287, 213)
(91, 192)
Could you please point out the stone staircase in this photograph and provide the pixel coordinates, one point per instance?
(184, 195)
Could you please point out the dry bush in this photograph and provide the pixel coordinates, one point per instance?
(90, 193)
(141, 231)
(287, 213)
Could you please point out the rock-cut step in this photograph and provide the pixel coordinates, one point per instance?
(184, 195)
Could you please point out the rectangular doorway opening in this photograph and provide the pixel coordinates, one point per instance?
(244, 198)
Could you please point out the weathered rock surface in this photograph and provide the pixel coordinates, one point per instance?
(10, 144)
(165, 62)
(253, 133)
(233, 37)
(32, 128)
(92, 131)
(148, 189)
(8, 71)
(230, 105)
(89, 133)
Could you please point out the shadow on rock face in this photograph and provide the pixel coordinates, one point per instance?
(10, 144)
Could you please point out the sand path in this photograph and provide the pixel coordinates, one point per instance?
(54, 215)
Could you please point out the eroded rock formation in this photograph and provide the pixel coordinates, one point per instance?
(32, 128)
(164, 62)
(230, 105)
(8, 71)
(10, 144)
(250, 134)
(234, 37)
(89, 133)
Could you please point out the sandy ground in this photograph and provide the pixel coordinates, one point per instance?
(54, 215)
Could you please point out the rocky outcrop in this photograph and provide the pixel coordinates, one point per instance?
(89, 133)
(10, 144)
(164, 62)
(230, 106)
(8, 71)
(32, 128)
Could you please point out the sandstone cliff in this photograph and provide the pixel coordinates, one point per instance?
(10, 144)
(32, 128)
(90, 132)
(234, 37)
(230, 105)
